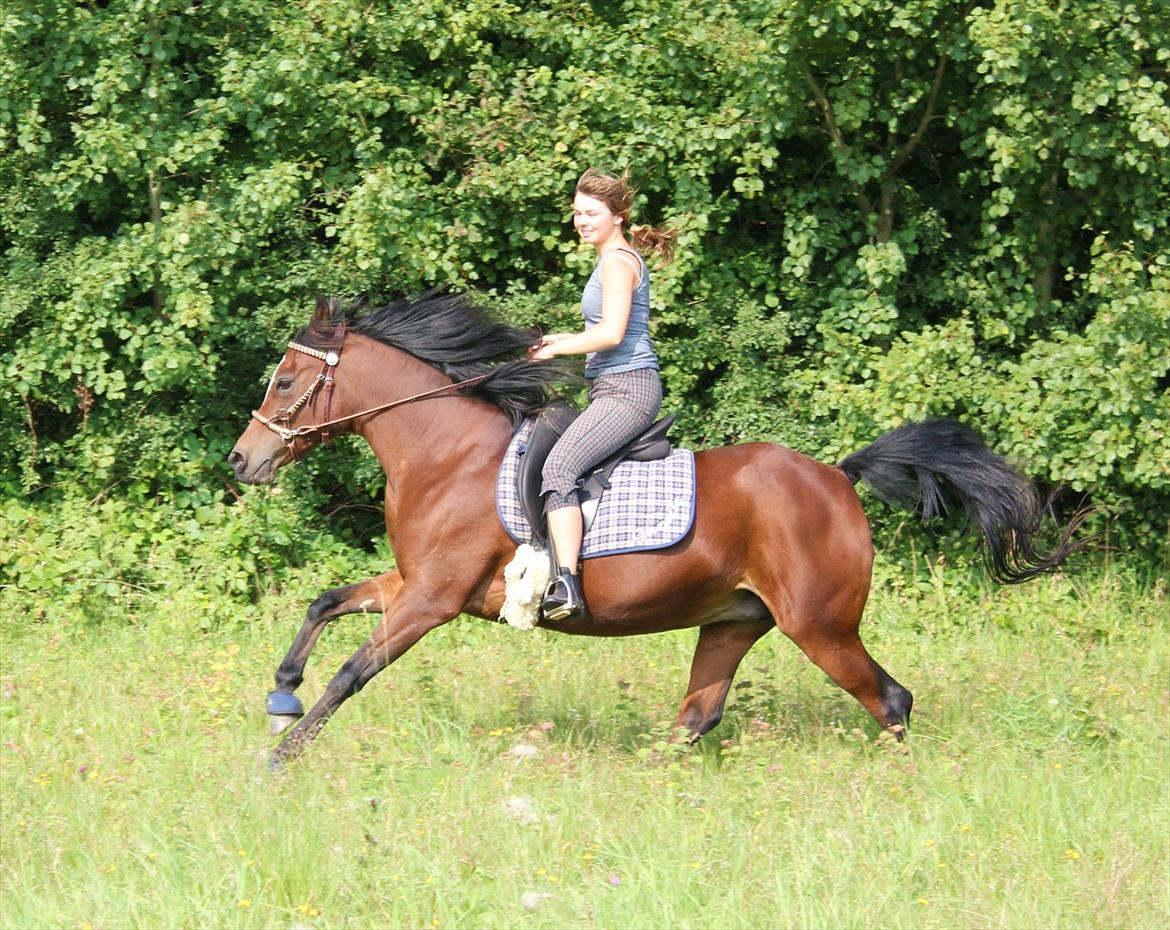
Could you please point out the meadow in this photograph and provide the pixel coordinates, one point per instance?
(500, 779)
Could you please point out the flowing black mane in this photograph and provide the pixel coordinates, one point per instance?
(459, 338)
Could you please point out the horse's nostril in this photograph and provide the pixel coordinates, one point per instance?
(235, 460)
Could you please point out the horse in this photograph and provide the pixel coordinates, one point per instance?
(437, 385)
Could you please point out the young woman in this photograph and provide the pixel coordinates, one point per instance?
(625, 393)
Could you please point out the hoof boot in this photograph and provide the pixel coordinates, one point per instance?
(284, 704)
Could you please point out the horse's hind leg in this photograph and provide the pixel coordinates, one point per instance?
(828, 636)
(373, 595)
(845, 660)
(720, 648)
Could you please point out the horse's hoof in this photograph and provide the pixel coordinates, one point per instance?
(281, 722)
(893, 739)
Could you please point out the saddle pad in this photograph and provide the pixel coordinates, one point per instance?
(651, 505)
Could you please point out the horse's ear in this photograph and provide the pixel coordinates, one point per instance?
(324, 310)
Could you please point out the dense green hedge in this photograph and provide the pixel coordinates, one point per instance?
(890, 208)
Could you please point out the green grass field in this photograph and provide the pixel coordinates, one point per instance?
(501, 779)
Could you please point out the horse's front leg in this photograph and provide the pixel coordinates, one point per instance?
(411, 616)
(374, 595)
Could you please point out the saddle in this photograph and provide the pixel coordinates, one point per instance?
(547, 428)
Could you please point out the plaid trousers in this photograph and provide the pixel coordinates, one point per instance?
(621, 406)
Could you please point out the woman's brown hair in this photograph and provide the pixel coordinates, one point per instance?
(617, 194)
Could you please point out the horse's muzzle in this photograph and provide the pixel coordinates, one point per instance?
(262, 473)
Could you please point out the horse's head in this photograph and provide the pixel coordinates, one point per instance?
(411, 350)
(298, 397)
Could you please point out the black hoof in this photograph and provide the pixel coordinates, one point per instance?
(899, 703)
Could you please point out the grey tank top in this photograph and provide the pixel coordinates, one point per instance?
(635, 351)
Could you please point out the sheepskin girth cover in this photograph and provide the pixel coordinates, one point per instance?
(525, 579)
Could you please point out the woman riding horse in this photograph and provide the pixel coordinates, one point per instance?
(625, 393)
(437, 388)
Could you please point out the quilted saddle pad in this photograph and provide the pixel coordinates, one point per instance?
(651, 505)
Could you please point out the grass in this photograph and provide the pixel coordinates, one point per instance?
(1032, 793)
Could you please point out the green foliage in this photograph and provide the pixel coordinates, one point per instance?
(86, 560)
(887, 209)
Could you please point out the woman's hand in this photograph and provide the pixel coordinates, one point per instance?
(543, 350)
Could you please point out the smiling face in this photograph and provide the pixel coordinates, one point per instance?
(594, 221)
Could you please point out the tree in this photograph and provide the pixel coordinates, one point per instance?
(887, 209)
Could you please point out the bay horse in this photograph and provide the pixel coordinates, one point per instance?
(437, 386)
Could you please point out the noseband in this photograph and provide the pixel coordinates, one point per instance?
(324, 380)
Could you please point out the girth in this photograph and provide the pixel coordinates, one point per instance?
(548, 427)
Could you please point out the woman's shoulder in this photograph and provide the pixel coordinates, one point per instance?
(632, 258)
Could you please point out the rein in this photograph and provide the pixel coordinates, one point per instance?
(332, 358)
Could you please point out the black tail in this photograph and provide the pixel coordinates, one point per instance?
(912, 467)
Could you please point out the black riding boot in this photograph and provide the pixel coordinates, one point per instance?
(563, 599)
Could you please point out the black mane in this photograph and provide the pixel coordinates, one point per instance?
(459, 338)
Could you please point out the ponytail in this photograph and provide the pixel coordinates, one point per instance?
(655, 240)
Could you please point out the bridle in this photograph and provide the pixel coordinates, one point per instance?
(324, 382)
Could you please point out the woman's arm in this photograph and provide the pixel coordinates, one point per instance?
(617, 295)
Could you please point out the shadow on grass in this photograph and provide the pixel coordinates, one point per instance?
(754, 710)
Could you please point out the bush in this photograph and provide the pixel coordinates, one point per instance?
(77, 560)
(888, 210)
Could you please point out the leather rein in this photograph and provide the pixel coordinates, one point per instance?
(324, 381)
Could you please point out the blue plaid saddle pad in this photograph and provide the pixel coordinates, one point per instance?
(651, 505)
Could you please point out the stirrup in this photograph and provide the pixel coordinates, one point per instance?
(563, 599)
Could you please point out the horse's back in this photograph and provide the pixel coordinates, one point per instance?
(790, 519)
(772, 474)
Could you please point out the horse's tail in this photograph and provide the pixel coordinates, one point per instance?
(912, 467)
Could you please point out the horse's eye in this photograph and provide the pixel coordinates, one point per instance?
(284, 385)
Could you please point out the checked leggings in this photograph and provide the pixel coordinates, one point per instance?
(621, 406)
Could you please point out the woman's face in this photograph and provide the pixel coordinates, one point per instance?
(593, 220)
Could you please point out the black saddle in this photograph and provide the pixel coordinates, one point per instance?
(549, 426)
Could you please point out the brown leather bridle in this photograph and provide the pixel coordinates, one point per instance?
(324, 381)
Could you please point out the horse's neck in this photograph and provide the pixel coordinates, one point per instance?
(438, 441)
(439, 450)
